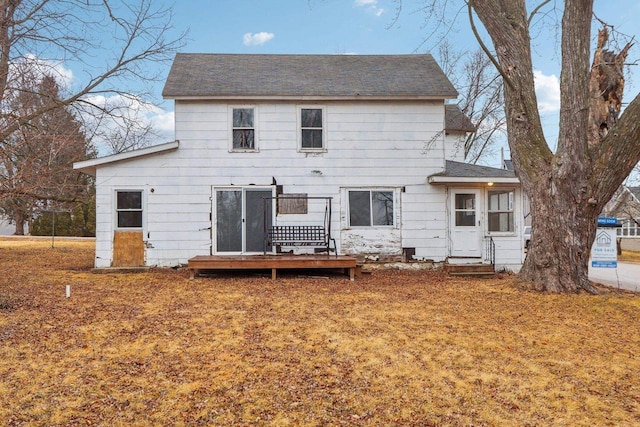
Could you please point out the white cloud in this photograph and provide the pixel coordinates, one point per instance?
(371, 6)
(257, 39)
(63, 76)
(547, 92)
(123, 128)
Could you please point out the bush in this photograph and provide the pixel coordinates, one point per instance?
(80, 221)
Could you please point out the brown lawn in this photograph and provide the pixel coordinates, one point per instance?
(629, 256)
(393, 348)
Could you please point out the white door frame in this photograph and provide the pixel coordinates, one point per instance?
(465, 222)
(244, 214)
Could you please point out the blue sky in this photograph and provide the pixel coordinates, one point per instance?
(360, 27)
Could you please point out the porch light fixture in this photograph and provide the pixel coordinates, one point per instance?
(490, 184)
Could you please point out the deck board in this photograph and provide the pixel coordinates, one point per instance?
(270, 262)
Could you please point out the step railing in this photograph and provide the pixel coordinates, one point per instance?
(490, 251)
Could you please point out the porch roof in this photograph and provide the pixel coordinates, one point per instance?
(89, 166)
(461, 173)
(455, 120)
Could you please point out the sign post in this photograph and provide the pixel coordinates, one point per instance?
(604, 253)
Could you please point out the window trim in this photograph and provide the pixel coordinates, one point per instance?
(299, 128)
(141, 210)
(512, 211)
(255, 148)
(394, 193)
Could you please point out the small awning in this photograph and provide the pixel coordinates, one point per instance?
(465, 173)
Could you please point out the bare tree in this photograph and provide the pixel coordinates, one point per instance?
(36, 161)
(480, 99)
(113, 41)
(597, 147)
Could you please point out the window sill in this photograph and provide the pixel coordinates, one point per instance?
(245, 150)
(312, 150)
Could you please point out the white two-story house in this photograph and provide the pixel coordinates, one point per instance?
(365, 145)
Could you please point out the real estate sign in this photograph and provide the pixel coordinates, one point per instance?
(604, 253)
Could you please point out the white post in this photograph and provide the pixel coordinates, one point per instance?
(68, 291)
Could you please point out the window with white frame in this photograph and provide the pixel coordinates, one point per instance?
(371, 208)
(311, 129)
(243, 125)
(500, 210)
(129, 209)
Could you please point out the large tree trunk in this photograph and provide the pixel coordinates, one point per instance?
(568, 188)
(19, 220)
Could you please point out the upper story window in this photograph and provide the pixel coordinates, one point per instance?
(129, 209)
(312, 135)
(369, 208)
(500, 210)
(243, 125)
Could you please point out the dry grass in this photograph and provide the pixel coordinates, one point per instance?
(629, 256)
(403, 348)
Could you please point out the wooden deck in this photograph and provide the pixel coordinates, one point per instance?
(271, 262)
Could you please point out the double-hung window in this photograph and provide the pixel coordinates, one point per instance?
(371, 208)
(500, 211)
(129, 209)
(312, 136)
(243, 129)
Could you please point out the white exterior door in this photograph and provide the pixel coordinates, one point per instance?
(466, 230)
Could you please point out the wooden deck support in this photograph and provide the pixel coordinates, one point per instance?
(271, 262)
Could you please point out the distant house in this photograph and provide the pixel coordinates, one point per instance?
(367, 144)
(625, 205)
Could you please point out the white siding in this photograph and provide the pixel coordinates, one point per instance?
(393, 145)
(454, 146)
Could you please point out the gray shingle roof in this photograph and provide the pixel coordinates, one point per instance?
(635, 191)
(324, 76)
(456, 120)
(507, 164)
(466, 170)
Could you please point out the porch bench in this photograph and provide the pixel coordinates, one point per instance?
(299, 235)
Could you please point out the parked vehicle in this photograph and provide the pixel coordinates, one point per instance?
(526, 236)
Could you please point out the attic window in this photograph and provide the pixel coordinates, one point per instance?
(243, 129)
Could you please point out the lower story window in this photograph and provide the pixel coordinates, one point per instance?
(370, 208)
(500, 210)
(129, 209)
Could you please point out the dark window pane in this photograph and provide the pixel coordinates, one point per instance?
(258, 210)
(311, 138)
(382, 203)
(243, 139)
(130, 219)
(499, 200)
(501, 221)
(229, 217)
(359, 208)
(129, 200)
(465, 218)
(465, 201)
(243, 117)
(311, 118)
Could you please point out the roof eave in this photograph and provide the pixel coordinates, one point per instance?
(309, 98)
(440, 179)
(89, 166)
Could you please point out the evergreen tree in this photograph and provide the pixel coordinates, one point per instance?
(36, 161)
